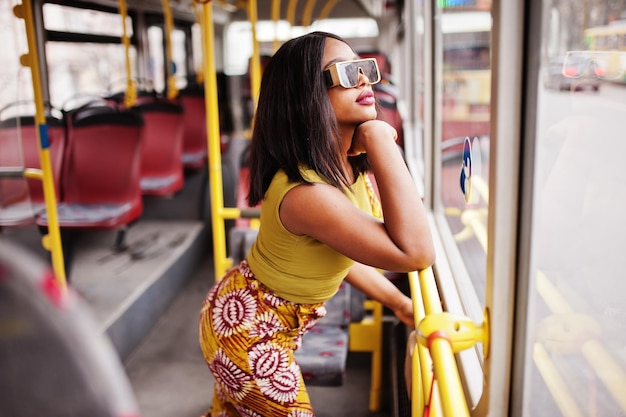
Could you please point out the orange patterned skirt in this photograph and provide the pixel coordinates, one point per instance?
(248, 336)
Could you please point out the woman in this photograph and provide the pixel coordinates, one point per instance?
(315, 136)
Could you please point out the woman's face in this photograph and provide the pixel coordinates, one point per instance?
(352, 106)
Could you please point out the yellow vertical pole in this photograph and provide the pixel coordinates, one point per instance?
(130, 97)
(451, 391)
(421, 365)
(255, 64)
(51, 241)
(376, 385)
(307, 15)
(172, 91)
(275, 19)
(328, 7)
(221, 262)
(291, 12)
(200, 71)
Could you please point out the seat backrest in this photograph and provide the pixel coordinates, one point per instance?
(388, 111)
(12, 191)
(103, 157)
(194, 128)
(162, 144)
(55, 361)
(13, 129)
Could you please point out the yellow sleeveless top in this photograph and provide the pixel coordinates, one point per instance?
(299, 268)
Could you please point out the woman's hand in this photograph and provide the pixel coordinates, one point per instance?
(404, 312)
(368, 131)
(376, 286)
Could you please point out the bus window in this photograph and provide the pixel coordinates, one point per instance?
(462, 118)
(197, 51)
(156, 48)
(464, 115)
(69, 19)
(575, 352)
(156, 59)
(80, 71)
(15, 81)
(179, 56)
(84, 54)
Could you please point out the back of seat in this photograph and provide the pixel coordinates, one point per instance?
(387, 100)
(55, 360)
(100, 176)
(162, 146)
(27, 131)
(194, 127)
(21, 199)
(15, 208)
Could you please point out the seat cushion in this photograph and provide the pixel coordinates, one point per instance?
(323, 354)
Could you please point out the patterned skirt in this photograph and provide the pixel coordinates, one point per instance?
(248, 336)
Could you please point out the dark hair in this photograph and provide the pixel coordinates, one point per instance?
(295, 124)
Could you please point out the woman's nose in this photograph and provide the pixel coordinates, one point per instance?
(362, 77)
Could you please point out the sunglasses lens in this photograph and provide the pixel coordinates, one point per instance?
(349, 72)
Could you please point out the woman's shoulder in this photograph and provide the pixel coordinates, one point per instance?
(281, 184)
(308, 175)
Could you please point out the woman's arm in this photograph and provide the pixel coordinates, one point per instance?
(377, 287)
(401, 243)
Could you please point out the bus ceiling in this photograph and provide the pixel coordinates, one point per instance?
(229, 10)
(348, 9)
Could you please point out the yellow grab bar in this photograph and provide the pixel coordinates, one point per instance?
(172, 90)
(291, 12)
(328, 7)
(52, 240)
(221, 262)
(255, 61)
(440, 335)
(130, 97)
(307, 14)
(275, 19)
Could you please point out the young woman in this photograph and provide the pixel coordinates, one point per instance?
(315, 136)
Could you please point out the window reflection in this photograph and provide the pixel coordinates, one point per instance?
(577, 348)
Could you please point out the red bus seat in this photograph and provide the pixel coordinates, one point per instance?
(387, 100)
(21, 200)
(101, 167)
(55, 360)
(162, 147)
(194, 127)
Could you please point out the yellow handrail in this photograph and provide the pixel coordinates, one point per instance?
(440, 335)
(275, 19)
(421, 364)
(328, 7)
(130, 97)
(291, 12)
(221, 262)
(307, 14)
(172, 90)
(52, 240)
(255, 60)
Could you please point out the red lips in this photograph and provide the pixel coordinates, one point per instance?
(366, 98)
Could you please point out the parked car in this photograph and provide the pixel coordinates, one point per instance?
(573, 72)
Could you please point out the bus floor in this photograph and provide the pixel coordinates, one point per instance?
(170, 378)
